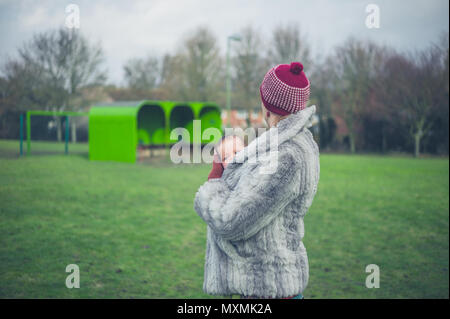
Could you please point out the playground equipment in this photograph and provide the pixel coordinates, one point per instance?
(115, 130)
(67, 115)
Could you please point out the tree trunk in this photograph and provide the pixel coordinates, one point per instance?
(383, 141)
(417, 138)
(351, 135)
(58, 129)
(352, 143)
(74, 132)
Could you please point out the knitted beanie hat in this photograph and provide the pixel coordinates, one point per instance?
(285, 89)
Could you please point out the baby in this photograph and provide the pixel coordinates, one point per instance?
(227, 148)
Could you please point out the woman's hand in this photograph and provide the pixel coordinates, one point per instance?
(217, 168)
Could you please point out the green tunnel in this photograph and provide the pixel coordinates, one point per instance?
(209, 117)
(150, 125)
(182, 116)
(116, 129)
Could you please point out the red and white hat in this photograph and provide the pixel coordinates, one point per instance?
(285, 89)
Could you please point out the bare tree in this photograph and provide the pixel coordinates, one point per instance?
(355, 69)
(380, 108)
(419, 88)
(444, 104)
(288, 45)
(142, 74)
(199, 63)
(173, 77)
(322, 95)
(66, 62)
(23, 86)
(249, 69)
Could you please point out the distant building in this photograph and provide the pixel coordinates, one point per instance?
(239, 119)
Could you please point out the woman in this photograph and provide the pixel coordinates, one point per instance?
(255, 209)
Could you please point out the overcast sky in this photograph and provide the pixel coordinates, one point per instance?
(131, 28)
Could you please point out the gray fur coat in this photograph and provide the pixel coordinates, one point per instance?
(254, 214)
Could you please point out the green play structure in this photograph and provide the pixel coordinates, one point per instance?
(115, 130)
(67, 115)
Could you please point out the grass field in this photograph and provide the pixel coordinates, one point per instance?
(133, 232)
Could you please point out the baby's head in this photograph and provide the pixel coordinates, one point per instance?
(229, 146)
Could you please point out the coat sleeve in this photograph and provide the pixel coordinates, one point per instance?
(239, 213)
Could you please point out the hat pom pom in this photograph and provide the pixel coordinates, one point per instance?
(296, 67)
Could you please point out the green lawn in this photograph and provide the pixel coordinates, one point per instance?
(134, 234)
(10, 149)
